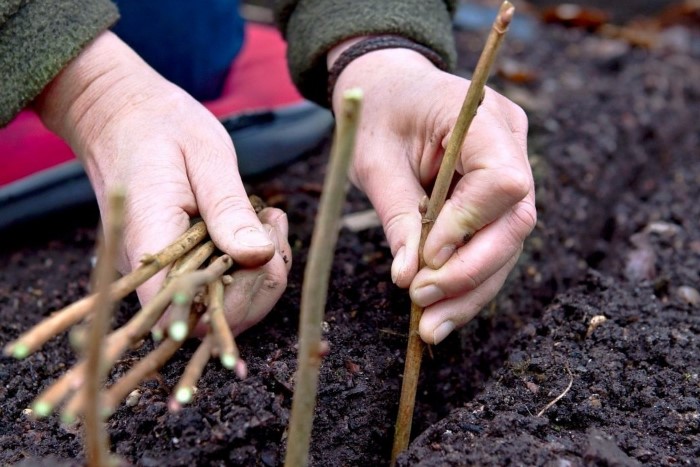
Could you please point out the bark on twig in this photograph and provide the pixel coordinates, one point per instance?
(34, 338)
(184, 391)
(315, 283)
(146, 366)
(185, 289)
(191, 261)
(438, 196)
(96, 443)
(221, 332)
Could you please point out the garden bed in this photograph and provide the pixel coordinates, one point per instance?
(614, 146)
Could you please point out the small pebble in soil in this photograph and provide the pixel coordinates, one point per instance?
(532, 387)
(594, 401)
(689, 295)
(596, 321)
(133, 398)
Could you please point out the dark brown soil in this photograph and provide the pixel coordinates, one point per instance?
(614, 147)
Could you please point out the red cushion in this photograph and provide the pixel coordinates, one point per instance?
(258, 79)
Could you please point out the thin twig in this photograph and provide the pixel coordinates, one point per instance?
(315, 283)
(185, 290)
(120, 340)
(225, 344)
(184, 391)
(43, 405)
(191, 261)
(146, 366)
(34, 338)
(96, 444)
(472, 100)
(558, 398)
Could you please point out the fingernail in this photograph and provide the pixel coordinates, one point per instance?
(271, 234)
(252, 237)
(397, 266)
(442, 331)
(442, 256)
(427, 295)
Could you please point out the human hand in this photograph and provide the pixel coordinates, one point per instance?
(132, 128)
(409, 110)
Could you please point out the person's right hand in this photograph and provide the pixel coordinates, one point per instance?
(409, 110)
(132, 128)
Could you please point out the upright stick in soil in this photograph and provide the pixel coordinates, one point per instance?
(96, 444)
(315, 285)
(474, 96)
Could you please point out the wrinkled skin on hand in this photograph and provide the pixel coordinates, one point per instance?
(409, 110)
(132, 128)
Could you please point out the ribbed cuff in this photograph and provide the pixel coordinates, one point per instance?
(314, 27)
(39, 40)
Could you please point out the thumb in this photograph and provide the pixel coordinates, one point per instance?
(223, 203)
(395, 194)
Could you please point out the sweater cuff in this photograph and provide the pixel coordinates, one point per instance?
(314, 27)
(39, 40)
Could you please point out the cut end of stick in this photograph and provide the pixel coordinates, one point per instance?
(180, 298)
(157, 334)
(183, 395)
(228, 361)
(178, 331)
(174, 406)
(106, 412)
(42, 409)
(505, 16)
(77, 337)
(241, 369)
(19, 350)
(353, 94)
(68, 418)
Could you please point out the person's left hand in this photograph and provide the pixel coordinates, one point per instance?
(409, 110)
(133, 129)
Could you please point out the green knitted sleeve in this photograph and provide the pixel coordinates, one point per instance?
(38, 38)
(313, 27)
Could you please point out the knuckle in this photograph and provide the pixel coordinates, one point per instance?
(513, 183)
(231, 205)
(522, 221)
(468, 276)
(517, 119)
(395, 218)
(276, 274)
(363, 167)
(464, 215)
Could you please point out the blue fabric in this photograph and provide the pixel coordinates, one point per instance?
(191, 43)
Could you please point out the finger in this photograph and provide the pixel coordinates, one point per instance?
(497, 176)
(224, 205)
(395, 194)
(479, 198)
(277, 219)
(255, 292)
(267, 291)
(474, 263)
(440, 319)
